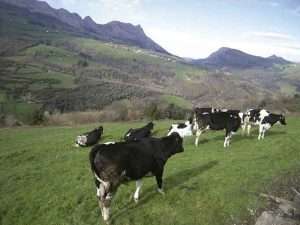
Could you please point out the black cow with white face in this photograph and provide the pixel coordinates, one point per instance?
(117, 163)
(89, 138)
(268, 121)
(216, 121)
(139, 133)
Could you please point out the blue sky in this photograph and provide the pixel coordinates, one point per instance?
(195, 29)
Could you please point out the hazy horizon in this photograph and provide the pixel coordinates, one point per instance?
(194, 29)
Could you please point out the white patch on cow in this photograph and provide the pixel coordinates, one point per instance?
(81, 140)
(106, 213)
(138, 188)
(183, 132)
(262, 114)
(109, 143)
(127, 135)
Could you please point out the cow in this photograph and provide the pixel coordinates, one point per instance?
(138, 133)
(121, 162)
(253, 117)
(268, 121)
(183, 129)
(89, 138)
(205, 110)
(216, 121)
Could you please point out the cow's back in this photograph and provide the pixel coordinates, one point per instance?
(134, 159)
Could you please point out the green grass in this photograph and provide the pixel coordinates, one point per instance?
(45, 180)
(53, 55)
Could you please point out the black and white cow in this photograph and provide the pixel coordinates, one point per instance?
(268, 121)
(183, 129)
(117, 163)
(138, 133)
(205, 110)
(253, 117)
(216, 121)
(89, 138)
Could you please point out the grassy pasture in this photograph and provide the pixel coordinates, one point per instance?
(45, 180)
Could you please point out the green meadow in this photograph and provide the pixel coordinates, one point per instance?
(45, 180)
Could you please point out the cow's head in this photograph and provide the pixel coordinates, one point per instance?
(177, 143)
(150, 125)
(100, 129)
(282, 119)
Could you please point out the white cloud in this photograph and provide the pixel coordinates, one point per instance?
(269, 35)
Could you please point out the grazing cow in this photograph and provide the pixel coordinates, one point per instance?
(268, 121)
(89, 138)
(253, 117)
(183, 129)
(216, 121)
(117, 163)
(138, 133)
(205, 110)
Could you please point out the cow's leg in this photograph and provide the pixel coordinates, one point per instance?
(158, 176)
(265, 128)
(248, 129)
(100, 195)
(261, 128)
(198, 133)
(106, 206)
(244, 128)
(225, 141)
(230, 136)
(109, 189)
(138, 188)
(227, 137)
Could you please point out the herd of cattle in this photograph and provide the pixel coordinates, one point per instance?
(139, 155)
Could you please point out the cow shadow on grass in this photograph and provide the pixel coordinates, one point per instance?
(170, 182)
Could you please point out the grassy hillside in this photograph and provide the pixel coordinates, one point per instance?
(45, 180)
(47, 63)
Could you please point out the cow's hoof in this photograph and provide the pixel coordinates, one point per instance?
(161, 191)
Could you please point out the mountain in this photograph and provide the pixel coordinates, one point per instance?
(118, 32)
(56, 61)
(235, 59)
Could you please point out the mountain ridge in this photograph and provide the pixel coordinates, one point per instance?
(231, 58)
(115, 31)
